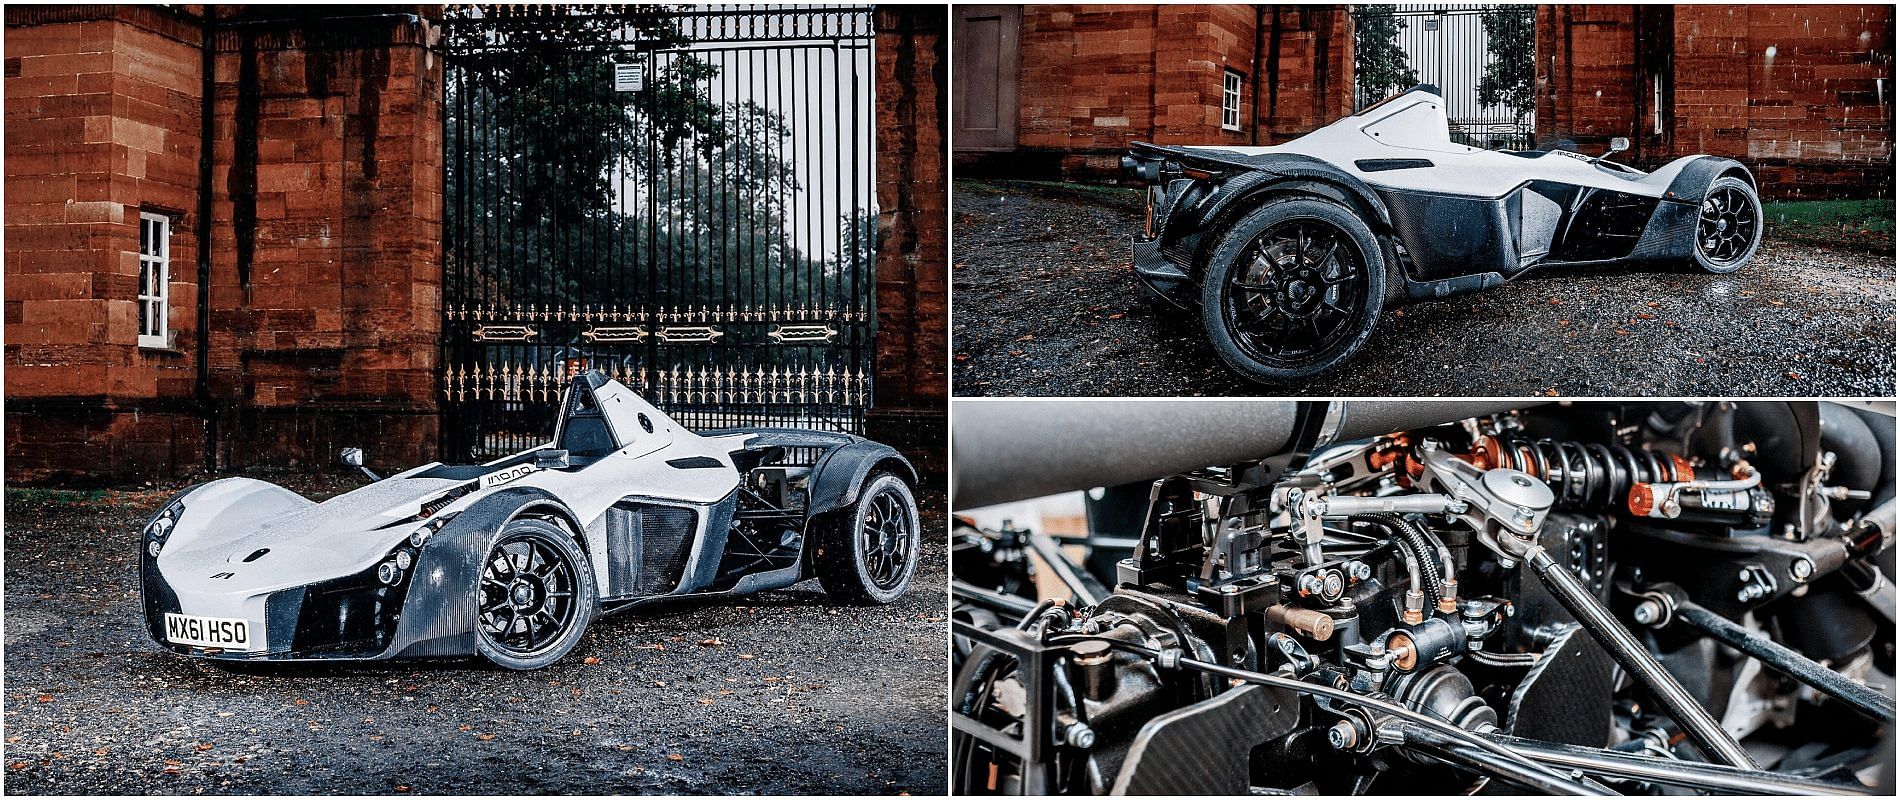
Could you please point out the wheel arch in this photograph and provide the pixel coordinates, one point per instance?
(439, 612)
(1316, 180)
(838, 476)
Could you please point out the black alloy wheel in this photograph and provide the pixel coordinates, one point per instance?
(1729, 226)
(1293, 290)
(535, 596)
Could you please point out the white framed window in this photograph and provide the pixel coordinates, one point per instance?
(155, 256)
(1230, 100)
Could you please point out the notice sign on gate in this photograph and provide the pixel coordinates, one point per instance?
(630, 77)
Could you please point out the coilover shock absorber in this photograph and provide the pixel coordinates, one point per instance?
(1644, 483)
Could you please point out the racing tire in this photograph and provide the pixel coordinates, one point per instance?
(1728, 227)
(1293, 290)
(866, 554)
(535, 596)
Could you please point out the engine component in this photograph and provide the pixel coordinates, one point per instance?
(1550, 599)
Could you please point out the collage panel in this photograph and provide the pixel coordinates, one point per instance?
(1422, 597)
(1643, 545)
(949, 399)
(1411, 200)
(484, 399)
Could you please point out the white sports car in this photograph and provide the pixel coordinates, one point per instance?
(1291, 251)
(511, 559)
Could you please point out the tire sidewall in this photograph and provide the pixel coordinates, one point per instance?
(584, 595)
(876, 484)
(1221, 264)
(1761, 228)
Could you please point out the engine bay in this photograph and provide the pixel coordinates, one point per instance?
(1583, 598)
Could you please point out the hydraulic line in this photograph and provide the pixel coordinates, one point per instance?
(1714, 777)
(1451, 731)
(1419, 562)
(1788, 662)
(1694, 719)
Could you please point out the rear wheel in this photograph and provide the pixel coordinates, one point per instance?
(1728, 229)
(1293, 290)
(867, 553)
(536, 596)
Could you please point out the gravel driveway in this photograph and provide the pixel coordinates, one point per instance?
(1046, 303)
(779, 692)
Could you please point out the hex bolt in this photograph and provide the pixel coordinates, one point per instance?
(1079, 736)
(1802, 569)
(1312, 584)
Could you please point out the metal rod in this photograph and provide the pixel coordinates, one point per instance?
(1694, 719)
(1016, 607)
(1786, 661)
(1488, 764)
(1088, 591)
(1613, 764)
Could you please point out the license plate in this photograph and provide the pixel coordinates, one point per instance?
(230, 634)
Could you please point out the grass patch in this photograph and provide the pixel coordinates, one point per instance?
(56, 497)
(1092, 193)
(1858, 224)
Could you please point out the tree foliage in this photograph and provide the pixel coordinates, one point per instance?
(563, 191)
(1380, 67)
(1509, 74)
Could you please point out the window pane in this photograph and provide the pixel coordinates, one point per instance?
(145, 316)
(145, 277)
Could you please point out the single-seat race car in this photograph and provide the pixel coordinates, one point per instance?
(512, 559)
(1290, 252)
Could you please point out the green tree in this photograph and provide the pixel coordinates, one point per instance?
(1510, 36)
(564, 191)
(1380, 66)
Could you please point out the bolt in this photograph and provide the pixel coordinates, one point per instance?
(1342, 736)
(1334, 584)
(1648, 612)
(1802, 569)
(1311, 584)
(1079, 736)
(1230, 589)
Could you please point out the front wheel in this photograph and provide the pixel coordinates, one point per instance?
(1728, 229)
(1293, 290)
(867, 553)
(536, 596)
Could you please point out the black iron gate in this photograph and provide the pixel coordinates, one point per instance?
(681, 197)
(1482, 57)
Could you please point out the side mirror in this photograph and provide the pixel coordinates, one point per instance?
(353, 457)
(550, 459)
(1617, 145)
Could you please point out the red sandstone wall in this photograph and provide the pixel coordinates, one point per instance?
(1096, 77)
(1311, 70)
(1812, 120)
(326, 240)
(326, 291)
(102, 122)
(911, 388)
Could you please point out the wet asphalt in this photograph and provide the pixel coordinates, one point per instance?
(1046, 303)
(781, 692)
